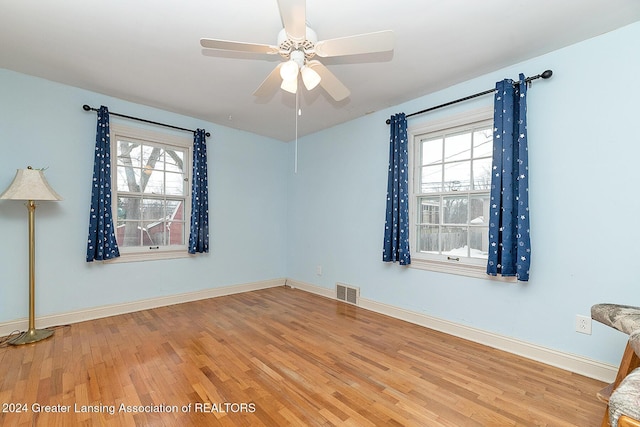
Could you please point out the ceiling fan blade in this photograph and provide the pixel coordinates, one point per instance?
(238, 46)
(294, 18)
(329, 82)
(380, 41)
(270, 84)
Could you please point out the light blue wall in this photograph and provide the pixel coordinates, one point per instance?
(584, 151)
(42, 124)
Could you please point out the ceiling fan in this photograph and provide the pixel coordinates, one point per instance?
(298, 45)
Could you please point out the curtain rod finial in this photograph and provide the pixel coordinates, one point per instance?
(85, 107)
(546, 74)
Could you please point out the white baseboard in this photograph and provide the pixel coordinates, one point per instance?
(570, 362)
(129, 307)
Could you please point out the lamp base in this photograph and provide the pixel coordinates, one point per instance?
(31, 336)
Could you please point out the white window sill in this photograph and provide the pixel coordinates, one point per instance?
(149, 256)
(454, 267)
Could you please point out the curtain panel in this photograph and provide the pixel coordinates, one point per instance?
(509, 239)
(396, 228)
(101, 243)
(199, 235)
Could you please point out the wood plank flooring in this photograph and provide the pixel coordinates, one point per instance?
(278, 357)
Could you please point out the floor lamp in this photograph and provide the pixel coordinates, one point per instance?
(30, 185)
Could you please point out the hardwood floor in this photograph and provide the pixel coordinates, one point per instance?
(279, 357)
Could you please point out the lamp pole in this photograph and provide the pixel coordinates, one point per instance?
(32, 334)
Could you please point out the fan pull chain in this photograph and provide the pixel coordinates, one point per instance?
(297, 112)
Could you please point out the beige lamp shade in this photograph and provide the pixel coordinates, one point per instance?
(30, 184)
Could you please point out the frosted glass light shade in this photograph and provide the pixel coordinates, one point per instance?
(290, 85)
(30, 184)
(289, 70)
(310, 77)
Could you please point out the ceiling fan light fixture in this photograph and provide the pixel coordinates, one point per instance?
(289, 70)
(310, 77)
(297, 45)
(290, 85)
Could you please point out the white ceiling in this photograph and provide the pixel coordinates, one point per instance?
(148, 51)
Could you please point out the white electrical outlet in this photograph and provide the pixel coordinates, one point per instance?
(318, 270)
(583, 324)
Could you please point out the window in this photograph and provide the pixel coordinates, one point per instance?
(451, 161)
(150, 193)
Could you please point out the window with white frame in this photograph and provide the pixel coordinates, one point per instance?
(151, 193)
(451, 165)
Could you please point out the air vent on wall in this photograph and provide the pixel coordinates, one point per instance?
(347, 293)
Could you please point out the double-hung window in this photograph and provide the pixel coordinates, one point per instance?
(450, 189)
(151, 193)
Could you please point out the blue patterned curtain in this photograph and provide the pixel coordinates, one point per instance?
(509, 241)
(199, 236)
(396, 228)
(101, 243)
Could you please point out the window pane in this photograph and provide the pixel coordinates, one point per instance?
(429, 210)
(479, 242)
(152, 181)
(129, 208)
(174, 161)
(175, 233)
(454, 241)
(479, 209)
(175, 226)
(457, 176)
(128, 179)
(457, 147)
(455, 209)
(175, 209)
(152, 158)
(483, 143)
(128, 233)
(428, 238)
(431, 179)
(482, 174)
(129, 153)
(156, 234)
(432, 151)
(174, 184)
(128, 228)
(165, 233)
(153, 210)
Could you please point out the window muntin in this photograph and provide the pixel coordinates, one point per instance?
(151, 200)
(452, 179)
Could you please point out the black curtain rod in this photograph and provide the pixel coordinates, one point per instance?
(85, 107)
(545, 75)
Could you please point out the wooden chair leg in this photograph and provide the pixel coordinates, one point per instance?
(625, 421)
(629, 362)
